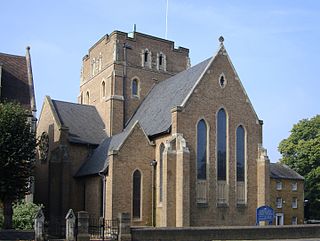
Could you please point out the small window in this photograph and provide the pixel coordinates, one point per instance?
(81, 98)
(88, 97)
(160, 59)
(146, 55)
(103, 89)
(135, 87)
(222, 81)
(279, 185)
(294, 186)
(294, 202)
(279, 202)
(294, 221)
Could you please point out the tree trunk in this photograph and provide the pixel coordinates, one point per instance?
(7, 213)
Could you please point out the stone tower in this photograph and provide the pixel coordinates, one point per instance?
(121, 68)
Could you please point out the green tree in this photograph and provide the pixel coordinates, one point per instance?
(17, 154)
(301, 152)
(24, 214)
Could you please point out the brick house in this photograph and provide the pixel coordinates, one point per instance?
(286, 194)
(172, 145)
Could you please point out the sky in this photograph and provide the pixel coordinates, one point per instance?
(274, 46)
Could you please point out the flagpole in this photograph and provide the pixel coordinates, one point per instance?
(166, 36)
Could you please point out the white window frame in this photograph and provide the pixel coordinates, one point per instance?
(294, 220)
(294, 203)
(279, 202)
(279, 185)
(294, 186)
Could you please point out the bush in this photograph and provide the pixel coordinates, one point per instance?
(24, 214)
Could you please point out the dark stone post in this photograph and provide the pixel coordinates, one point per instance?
(124, 227)
(83, 226)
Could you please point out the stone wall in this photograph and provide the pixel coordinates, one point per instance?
(227, 233)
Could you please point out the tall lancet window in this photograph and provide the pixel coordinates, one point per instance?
(136, 199)
(240, 153)
(241, 164)
(202, 150)
(222, 145)
(161, 173)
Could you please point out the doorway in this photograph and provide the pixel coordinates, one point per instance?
(279, 218)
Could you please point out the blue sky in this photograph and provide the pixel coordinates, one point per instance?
(274, 46)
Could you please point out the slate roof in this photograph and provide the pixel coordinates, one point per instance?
(14, 79)
(84, 122)
(98, 162)
(281, 171)
(154, 113)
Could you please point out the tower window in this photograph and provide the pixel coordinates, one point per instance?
(136, 201)
(88, 97)
(103, 89)
(146, 56)
(135, 88)
(160, 59)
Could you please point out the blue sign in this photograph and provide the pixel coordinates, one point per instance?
(265, 213)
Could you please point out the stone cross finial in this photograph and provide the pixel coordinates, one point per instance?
(221, 40)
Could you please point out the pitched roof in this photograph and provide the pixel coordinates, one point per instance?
(98, 162)
(84, 122)
(282, 171)
(14, 79)
(154, 113)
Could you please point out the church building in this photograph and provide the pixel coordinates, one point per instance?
(171, 144)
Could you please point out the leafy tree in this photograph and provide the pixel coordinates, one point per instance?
(17, 153)
(301, 151)
(24, 215)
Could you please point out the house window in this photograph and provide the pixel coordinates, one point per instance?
(279, 185)
(279, 202)
(103, 89)
(240, 154)
(87, 97)
(136, 202)
(160, 60)
(222, 144)
(135, 88)
(294, 220)
(294, 186)
(202, 150)
(294, 203)
(161, 173)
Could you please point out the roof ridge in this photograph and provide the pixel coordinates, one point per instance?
(12, 55)
(63, 101)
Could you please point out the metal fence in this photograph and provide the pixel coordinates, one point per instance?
(100, 228)
(55, 227)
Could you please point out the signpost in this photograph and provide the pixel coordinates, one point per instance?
(264, 213)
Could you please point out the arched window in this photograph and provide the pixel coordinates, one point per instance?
(240, 153)
(202, 150)
(136, 199)
(161, 173)
(134, 87)
(88, 97)
(81, 98)
(222, 144)
(146, 56)
(160, 59)
(103, 89)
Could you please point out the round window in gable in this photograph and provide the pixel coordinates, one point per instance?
(222, 81)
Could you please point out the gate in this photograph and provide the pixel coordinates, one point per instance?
(100, 228)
